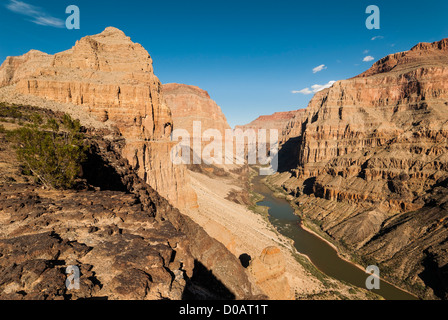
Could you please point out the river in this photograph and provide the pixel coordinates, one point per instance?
(322, 254)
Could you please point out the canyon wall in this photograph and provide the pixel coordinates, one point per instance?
(128, 242)
(372, 149)
(189, 104)
(277, 121)
(111, 78)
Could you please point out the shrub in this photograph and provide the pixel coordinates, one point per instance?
(10, 111)
(53, 155)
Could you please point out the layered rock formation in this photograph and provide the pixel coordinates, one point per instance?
(269, 271)
(189, 104)
(372, 149)
(112, 78)
(195, 113)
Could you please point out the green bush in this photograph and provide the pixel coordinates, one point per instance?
(10, 111)
(52, 154)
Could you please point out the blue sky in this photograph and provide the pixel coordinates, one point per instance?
(249, 55)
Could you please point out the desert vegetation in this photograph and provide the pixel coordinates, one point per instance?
(50, 149)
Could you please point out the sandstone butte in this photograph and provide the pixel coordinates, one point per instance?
(112, 78)
(371, 165)
(269, 272)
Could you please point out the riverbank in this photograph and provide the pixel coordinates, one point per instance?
(305, 225)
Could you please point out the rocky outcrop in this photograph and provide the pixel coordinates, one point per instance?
(121, 250)
(270, 274)
(112, 78)
(372, 148)
(288, 125)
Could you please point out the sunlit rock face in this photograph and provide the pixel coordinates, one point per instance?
(189, 104)
(270, 273)
(112, 78)
(371, 159)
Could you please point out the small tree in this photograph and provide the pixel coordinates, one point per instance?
(53, 155)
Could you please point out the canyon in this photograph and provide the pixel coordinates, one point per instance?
(135, 227)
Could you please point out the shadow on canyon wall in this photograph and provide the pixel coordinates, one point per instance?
(288, 155)
(203, 285)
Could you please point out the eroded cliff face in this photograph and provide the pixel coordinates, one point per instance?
(373, 148)
(278, 120)
(127, 240)
(112, 78)
(189, 104)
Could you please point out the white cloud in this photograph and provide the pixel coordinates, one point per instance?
(377, 38)
(315, 88)
(319, 68)
(37, 15)
(319, 87)
(365, 51)
(368, 58)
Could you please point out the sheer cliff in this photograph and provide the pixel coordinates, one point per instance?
(112, 78)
